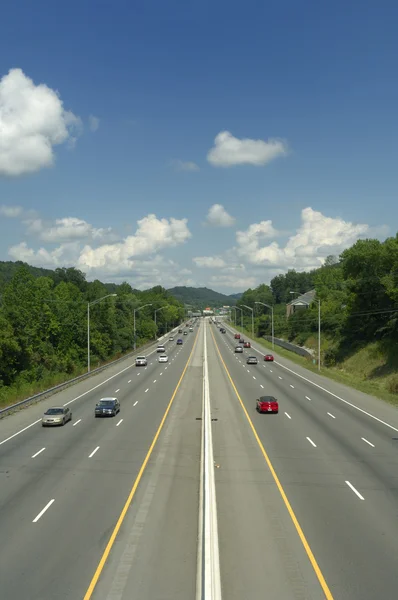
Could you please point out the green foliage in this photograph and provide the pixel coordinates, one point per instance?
(201, 298)
(358, 292)
(43, 324)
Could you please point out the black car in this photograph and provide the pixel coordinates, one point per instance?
(241, 341)
(107, 407)
(180, 331)
(222, 330)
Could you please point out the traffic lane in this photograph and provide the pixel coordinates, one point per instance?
(356, 424)
(261, 554)
(28, 439)
(27, 460)
(88, 496)
(356, 551)
(377, 407)
(370, 443)
(155, 554)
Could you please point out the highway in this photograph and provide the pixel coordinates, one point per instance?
(108, 508)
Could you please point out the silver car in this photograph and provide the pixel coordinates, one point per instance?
(238, 349)
(58, 415)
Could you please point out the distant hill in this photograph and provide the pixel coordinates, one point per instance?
(200, 298)
(237, 296)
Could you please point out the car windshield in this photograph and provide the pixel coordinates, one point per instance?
(54, 411)
(267, 399)
(141, 358)
(106, 402)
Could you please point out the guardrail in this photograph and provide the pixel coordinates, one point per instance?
(288, 346)
(61, 386)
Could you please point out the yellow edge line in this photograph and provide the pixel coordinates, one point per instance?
(315, 566)
(122, 516)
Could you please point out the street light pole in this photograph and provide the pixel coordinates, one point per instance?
(156, 311)
(88, 325)
(134, 311)
(272, 321)
(248, 307)
(319, 335)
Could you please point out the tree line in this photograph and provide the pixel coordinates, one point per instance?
(43, 324)
(358, 292)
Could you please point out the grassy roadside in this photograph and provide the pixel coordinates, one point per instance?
(13, 394)
(374, 386)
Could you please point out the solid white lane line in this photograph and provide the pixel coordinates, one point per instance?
(18, 432)
(311, 442)
(308, 398)
(288, 416)
(330, 415)
(367, 441)
(208, 580)
(355, 491)
(37, 453)
(118, 390)
(121, 421)
(292, 386)
(261, 385)
(93, 452)
(146, 390)
(76, 422)
(135, 403)
(41, 513)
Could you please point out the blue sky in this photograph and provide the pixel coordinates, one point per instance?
(163, 80)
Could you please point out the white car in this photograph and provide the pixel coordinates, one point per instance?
(141, 361)
(171, 339)
(161, 349)
(163, 358)
(238, 349)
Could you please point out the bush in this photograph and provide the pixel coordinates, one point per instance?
(392, 384)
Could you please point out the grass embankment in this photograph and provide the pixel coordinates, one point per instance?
(372, 369)
(20, 391)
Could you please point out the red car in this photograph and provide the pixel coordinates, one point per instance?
(237, 336)
(269, 357)
(267, 404)
(246, 345)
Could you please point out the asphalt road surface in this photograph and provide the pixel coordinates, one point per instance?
(108, 508)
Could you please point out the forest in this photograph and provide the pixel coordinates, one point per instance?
(358, 293)
(43, 324)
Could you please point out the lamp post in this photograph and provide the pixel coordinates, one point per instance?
(134, 311)
(248, 307)
(319, 334)
(156, 311)
(88, 325)
(241, 315)
(272, 321)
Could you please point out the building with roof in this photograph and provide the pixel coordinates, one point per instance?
(300, 303)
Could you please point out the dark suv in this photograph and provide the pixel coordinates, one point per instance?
(107, 407)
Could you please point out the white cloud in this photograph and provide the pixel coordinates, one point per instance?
(218, 216)
(233, 282)
(66, 229)
(249, 240)
(317, 237)
(209, 262)
(181, 165)
(65, 255)
(152, 235)
(93, 123)
(229, 151)
(12, 212)
(32, 121)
